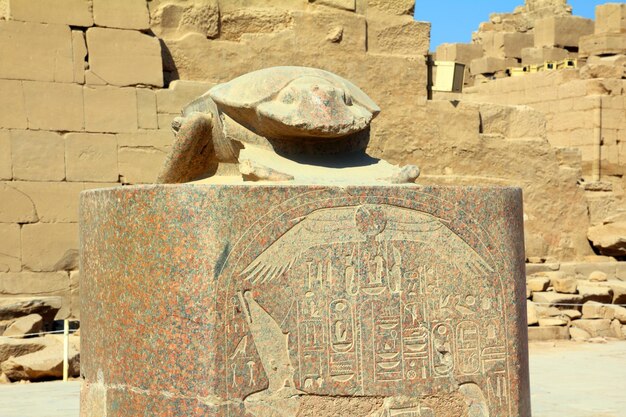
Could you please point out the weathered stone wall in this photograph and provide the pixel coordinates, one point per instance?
(78, 110)
(92, 86)
(572, 107)
(87, 99)
(585, 111)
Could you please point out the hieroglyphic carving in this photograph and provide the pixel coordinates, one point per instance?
(379, 298)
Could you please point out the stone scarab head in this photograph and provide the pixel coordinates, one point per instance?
(278, 124)
(295, 102)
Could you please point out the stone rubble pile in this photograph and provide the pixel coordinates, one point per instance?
(560, 305)
(28, 352)
(544, 31)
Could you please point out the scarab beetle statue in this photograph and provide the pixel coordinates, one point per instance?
(287, 123)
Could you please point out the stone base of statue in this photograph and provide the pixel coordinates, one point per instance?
(287, 300)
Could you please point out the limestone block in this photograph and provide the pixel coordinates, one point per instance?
(598, 276)
(596, 310)
(6, 163)
(397, 7)
(91, 157)
(241, 22)
(618, 312)
(602, 44)
(619, 291)
(572, 314)
(553, 299)
(159, 139)
(15, 206)
(595, 293)
(40, 284)
(506, 44)
(490, 65)
(175, 20)
(610, 18)
(26, 325)
(140, 165)
(543, 311)
(64, 12)
(92, 79)
(122, 14)
(537, 283)
(338, 4)
(616, 328)
(79, 51)
(512, 121)
(595, 327)
(537, 334)
(538, 56)
(561, 31)
(13, 114)
(578, 335)
(179, 94)
(565, 285)
(536, 269)
(146, 109)
(11, 347)
(553, 321)
(550, 5)
(531, 313)
(551, 274)
(50, 246)
(48, 56)
(125, 57)
(333, 33)
(459, 52)
(38, 155)
(10, 247)
(53, 201)
(603, 70)
(13, 307)
(609, 239)
(54, 106)
(398, 36)
(110, 109)
(165, 120)
(44, 364)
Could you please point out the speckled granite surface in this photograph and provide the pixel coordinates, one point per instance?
(269, 300)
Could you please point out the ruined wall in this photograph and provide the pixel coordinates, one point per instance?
(584, 107)
(491, 144)
(572, 107)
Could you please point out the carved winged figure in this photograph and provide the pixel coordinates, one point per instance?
(360, 224)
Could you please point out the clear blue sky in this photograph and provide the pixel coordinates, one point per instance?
(455, 20)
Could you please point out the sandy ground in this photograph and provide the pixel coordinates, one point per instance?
(567, 380)
(570, 379)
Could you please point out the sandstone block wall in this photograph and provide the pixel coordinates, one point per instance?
(571, 106)
(584, 108)
(78, 110)
(90, 87)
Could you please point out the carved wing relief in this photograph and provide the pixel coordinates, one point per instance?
(359, 224)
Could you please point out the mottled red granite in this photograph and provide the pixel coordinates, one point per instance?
(237, 300)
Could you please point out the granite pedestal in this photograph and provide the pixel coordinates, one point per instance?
(287, 300)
